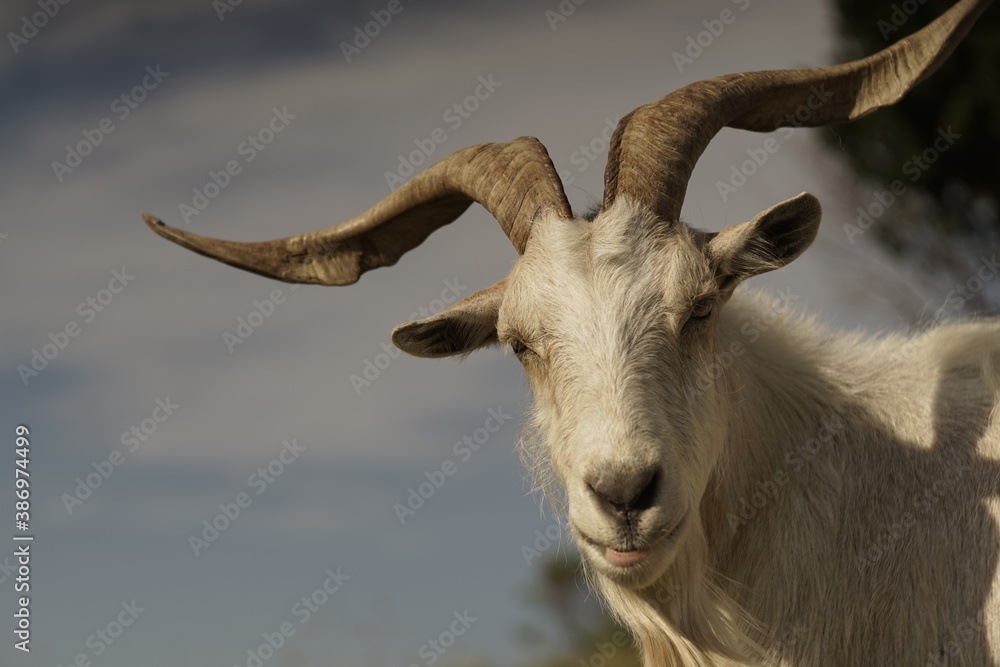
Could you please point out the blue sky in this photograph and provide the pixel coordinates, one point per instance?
(151, 371)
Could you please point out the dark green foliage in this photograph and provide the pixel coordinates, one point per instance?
(950, 207)
(587, 635)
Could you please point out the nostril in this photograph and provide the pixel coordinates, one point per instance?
(647, 494)
(626, 491)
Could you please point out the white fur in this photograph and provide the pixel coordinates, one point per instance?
(841, 490)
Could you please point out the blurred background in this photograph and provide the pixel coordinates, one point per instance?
(246, 472)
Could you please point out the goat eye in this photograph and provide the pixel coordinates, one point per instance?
(702, 310)
(522, 350)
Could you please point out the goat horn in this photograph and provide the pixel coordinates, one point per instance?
(514, 181)
(654, 149)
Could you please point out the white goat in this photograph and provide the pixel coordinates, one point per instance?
(792, 496)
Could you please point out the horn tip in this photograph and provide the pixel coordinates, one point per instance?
(152, 220)
(163, 229)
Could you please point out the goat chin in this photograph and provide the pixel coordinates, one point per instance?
(682, 617)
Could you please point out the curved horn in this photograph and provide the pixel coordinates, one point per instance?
(514, 181)
(654, 149)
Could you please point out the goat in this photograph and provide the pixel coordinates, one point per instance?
(807, 497)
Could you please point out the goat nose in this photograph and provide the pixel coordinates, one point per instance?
(620, 491)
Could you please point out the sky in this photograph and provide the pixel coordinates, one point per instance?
(217, 459)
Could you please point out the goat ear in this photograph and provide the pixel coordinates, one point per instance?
(466, 326)
(769, 241)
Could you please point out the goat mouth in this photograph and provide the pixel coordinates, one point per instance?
(626, 559)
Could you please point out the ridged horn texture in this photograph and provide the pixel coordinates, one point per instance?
(654, 149)
(514, 181)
